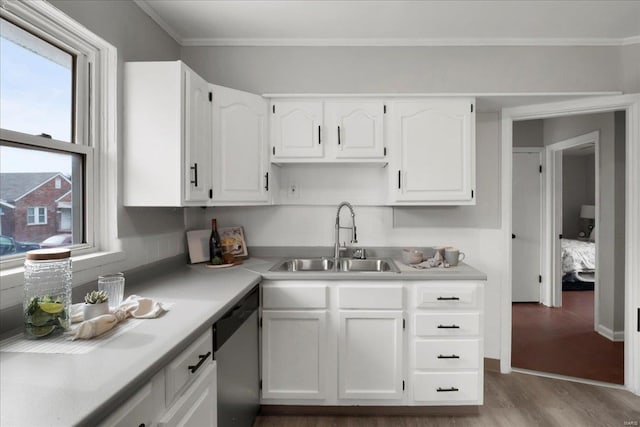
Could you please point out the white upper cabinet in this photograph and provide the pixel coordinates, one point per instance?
(240, 147)
(354, 130)
(433, 151)
(167, 135)
(327, 131)
(296, 130)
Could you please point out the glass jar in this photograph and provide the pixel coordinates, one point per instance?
(47, 292)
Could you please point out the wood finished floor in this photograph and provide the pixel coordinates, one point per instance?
(513, 400)
(562, 340)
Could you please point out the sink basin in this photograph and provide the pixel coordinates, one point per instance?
(304, 264)
(345, 265)
(371, 264)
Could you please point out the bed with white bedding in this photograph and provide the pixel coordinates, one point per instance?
(578, 264)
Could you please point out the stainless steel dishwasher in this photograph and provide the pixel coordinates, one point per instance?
(235, 350)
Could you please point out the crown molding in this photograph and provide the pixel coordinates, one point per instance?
(143, 4)
(407, 42)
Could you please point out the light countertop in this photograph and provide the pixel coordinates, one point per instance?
(80, 389)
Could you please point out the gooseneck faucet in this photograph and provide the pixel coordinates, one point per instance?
(354, 236)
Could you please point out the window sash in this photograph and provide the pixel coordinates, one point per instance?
(36, 216)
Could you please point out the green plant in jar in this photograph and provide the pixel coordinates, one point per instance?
(44, 315)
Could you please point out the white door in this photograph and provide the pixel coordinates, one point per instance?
(294, 354)
(436, 150)
(354, 130)
(240, 158)
(197, 138)
(527, 186)
(370, 355)
(296, 129)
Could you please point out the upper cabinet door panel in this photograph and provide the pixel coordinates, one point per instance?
(240, 145)
(355, 129)
(296, 129)
(197, 181)
(435, 150)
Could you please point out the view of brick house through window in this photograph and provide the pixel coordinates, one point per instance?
(39, 204)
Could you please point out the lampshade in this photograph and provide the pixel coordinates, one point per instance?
(588, 212)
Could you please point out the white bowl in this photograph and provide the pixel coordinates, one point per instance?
(411, 256)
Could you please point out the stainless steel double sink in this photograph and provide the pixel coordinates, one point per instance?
(343, 265)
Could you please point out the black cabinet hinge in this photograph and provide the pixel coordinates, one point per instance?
(539, 279)
(559, 236)
(638, 319)
(261, 322)
(540, 169)
(404, 324)
(273, 108)
(472, 194)
(403, 384)
(260, 385)
(210, 96)
(211, 193)
(384, 110)
(274, 151)
(472, 108)
(385, 151)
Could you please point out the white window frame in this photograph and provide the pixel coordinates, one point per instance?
(36, 215)
(96, 139)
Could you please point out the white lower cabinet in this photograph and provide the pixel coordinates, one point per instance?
(293, 354)
(181, 394)
(368, 342)
(370, 355)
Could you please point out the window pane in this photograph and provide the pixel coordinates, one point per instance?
(35, 211)
(36, 85)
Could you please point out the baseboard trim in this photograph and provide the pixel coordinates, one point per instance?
(409, 411)
(616, 336)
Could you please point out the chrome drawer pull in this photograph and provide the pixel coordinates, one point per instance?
(202, 357)
(453, 356)
(447, 389)
(448, 327)
(448, 298)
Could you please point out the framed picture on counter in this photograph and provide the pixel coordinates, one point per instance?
(232, 239)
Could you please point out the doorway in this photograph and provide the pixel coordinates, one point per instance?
(631, 106)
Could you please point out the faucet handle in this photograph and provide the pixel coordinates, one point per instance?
(359, 253)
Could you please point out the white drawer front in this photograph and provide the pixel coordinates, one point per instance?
(447, 324)
(370, 297)
(446, 387)
(294, 297)
(447, 354)
(459, 295)
(178, 373)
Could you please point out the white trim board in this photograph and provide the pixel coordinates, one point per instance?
(630, 104)
(616, 336)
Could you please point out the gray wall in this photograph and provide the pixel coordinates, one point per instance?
(578, 188)
(409, 69)
(137, 38)
(631, 68)
(528, 133)
(611, 279)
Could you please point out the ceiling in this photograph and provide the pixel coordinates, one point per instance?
(396, 22)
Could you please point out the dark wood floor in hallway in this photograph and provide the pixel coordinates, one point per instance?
(513, 400)
(562, 340)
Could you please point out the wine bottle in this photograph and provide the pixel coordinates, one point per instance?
(215, 245)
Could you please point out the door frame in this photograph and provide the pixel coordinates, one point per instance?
(552, 252)
(543, 201)
(631, 105)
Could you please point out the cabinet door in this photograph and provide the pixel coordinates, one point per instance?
(197, 182)
(294, 354)
(354, 130)
(435, 151)
(240, 146)
(197, 406)
(370, 355)
(296, 129)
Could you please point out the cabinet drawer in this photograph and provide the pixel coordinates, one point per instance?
(370, 297)
(447, 324)
(455, 295)
(446, 387)
(182, 369)
(294, 297)
(447, 354)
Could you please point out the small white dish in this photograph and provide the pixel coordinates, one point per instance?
(411, 256)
